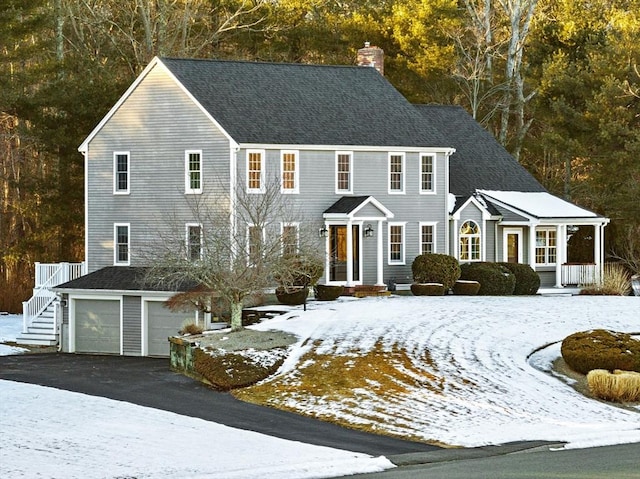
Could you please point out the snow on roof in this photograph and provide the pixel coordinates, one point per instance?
(539, 204)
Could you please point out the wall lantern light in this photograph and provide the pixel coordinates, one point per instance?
(323, 232)
(368, 231)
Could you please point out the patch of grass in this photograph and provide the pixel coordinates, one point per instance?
(230, 370)
(616, 281)
(347, 378)
(619, 386)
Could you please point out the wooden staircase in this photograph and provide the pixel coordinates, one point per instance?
(41, 323)
(42, 331)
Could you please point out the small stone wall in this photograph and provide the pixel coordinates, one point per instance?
(182, 357)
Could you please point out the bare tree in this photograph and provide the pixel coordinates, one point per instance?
(234, 250)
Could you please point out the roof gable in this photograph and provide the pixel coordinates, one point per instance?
(479, 162)
(300, 104)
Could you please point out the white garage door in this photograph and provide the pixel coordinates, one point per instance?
(97, 326)
(162, 323)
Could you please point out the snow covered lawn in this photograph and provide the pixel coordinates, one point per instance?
(481, 382)
(464, 373)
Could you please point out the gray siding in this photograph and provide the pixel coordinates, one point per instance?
(370, 178)
(156, 124)
(131, 325)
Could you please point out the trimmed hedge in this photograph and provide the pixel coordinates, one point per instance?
(601, 349)
(466, 288)
(427, 289)
(293, 297)
(436, 268)
(494, 279)
(527, 280)
(324, 292)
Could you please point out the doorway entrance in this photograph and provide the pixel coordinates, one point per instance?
(338, 245)
(513, 245)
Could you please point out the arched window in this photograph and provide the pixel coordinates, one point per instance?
(470, 241)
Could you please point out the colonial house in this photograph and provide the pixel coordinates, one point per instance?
(380, 179)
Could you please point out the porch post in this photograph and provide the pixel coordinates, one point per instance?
(597, 252)
(349, 253)
(532, 246)
(380, 271)
(561, 252)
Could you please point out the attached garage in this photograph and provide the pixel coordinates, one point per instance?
(97, 326)
(162, 323)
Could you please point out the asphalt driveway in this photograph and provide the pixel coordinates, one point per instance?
(149, 382)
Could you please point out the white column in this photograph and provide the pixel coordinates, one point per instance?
(532, 246)
(561, 252)
(349, 254)
(597, 251)
(380, 256)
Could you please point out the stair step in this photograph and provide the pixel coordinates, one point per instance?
(37, 339)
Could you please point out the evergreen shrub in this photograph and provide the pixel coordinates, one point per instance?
(427, 289)
(601, 349)
(324, 292)
(527, 280)
(466, 288)
(494, 279)
(436, 268)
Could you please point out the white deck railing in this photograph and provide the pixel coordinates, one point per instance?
(581, 274)
(48, 276)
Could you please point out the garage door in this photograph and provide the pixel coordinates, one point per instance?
(97, 326)
(162, 323)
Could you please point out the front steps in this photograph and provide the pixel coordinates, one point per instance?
(42, 331)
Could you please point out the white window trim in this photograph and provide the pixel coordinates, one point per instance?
(248, 237)
(187, 237)
(116, 262)
(403, 175)
(479, 235)
(432, 191)
(434, 225)
(116, 191)
(263, 157)
(546, 247)
(295, 225)
(350, 189)
(403, 248)
(187, 173)
(296, 173)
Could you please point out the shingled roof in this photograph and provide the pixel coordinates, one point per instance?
(299, 104)
(480, 162)
(120, 278)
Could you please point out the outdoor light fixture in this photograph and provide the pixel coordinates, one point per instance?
(368, 231)
(323, 232)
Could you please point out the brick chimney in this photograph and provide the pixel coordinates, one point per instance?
(371, 56)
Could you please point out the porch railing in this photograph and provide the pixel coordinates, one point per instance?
(581, 274)
(48, 276)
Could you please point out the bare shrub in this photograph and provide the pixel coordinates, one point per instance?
(616, 281)
(619, 386)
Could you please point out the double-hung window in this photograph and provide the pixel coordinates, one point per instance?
(469, 241)
(427, 238)
(396, 172)
(344, 172)
(121, 173)
(427, 174)
(546, 246)
(255, 245)
(193, 171)
(121, 241)
(396, 243)
(255, 171)
(290, 239)
(194, 241)
(289, 172)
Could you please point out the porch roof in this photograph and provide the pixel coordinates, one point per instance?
(349, 206)
(540, 205)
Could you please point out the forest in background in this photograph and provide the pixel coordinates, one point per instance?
(556, 81)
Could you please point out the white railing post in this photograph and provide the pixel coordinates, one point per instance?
(25, 306)
(38, 280)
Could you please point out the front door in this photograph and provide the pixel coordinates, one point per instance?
(338, 253)
(513, 245)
